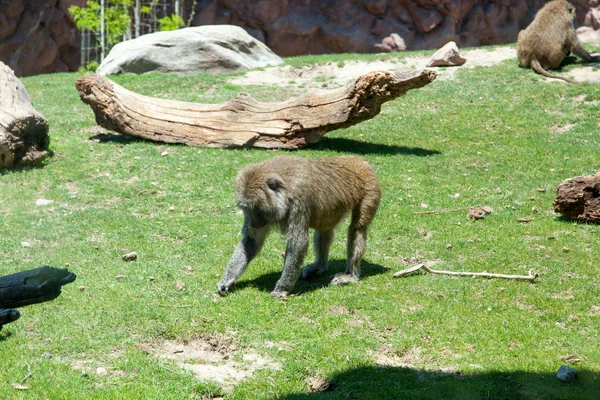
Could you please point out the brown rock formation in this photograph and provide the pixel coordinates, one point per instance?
(293, 27)
(38, 36)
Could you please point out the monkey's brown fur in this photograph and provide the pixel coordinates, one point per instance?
(297, 194)
(549, 38)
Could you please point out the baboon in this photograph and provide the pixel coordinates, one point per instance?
(549, 38)
(297, 194)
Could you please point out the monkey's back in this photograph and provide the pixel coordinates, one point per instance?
(328, 188)
(547, 38)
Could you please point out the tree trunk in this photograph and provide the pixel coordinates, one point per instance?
(244, 121)
(8, 315)
(23, 131)
(579, 198)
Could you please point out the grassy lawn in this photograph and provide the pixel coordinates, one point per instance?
(495, 136)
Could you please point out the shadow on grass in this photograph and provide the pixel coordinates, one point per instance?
(115, 138)
(359, 147)
(267, 282)
(27, 167)
(5, 336)
(407, 383)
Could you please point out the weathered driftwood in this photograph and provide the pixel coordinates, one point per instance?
(244, 121)
(23, 131)
(33, 286)
(579, 198)
(530, 277)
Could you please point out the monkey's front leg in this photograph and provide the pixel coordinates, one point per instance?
(297, 245)
(248, 248)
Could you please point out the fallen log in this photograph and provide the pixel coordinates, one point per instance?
(33, 286)
(579, 198)
(23, 131)
(7, 316)
(244, 121)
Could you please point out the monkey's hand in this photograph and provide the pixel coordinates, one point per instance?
(281, 295)
(224, 286)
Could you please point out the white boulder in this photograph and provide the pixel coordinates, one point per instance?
(209, 48)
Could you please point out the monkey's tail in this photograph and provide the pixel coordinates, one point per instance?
(537, 67)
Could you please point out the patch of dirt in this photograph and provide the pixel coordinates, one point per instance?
(218, 360)
(333, 75)
(409, 358)
(560, 129)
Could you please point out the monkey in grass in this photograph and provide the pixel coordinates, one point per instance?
(549, 38)
(296, 194)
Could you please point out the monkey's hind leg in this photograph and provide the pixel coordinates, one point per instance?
(357, 240)
(322, 243)
(362, 215)
(297, 245)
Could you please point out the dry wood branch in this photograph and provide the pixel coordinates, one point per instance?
(244, 121)
(530, 277)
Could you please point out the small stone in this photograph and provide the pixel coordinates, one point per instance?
(525, 220)
(120, 277)
(25, 244)
(43, 202)
(164, 153)
(447, 56)
(83, 288)
(47, 355)
(476, 213)
(101, 371)
(317, 384)
(566, 373)
(179, 285)
(130, 256)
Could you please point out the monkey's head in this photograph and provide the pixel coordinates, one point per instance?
(261, 195)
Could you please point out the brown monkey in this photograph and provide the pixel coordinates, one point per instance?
(297, 194)
(549, 38)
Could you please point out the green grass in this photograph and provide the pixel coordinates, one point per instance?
(487, 136)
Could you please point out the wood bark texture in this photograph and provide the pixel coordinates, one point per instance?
(8, 315)
(244, 121)
(579, 198)
(33, 286)
(23, 131)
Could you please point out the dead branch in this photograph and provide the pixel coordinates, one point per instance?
(244, 121)
(530, 277)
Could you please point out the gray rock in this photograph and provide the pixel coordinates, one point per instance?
(566, 373)
(447, 56)
(211, 48)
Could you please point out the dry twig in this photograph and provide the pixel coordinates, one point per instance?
(530, 277)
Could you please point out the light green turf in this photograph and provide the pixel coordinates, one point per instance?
(489, 136)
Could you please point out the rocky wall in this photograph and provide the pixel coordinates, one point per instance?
(38, 36)
(293, 27)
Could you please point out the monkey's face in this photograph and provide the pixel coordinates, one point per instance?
(262, 198)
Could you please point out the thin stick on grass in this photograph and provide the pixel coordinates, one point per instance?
(28, 373)
(530, 277)
(442, 211)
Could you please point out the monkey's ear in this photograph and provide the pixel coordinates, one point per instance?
(274, 184)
